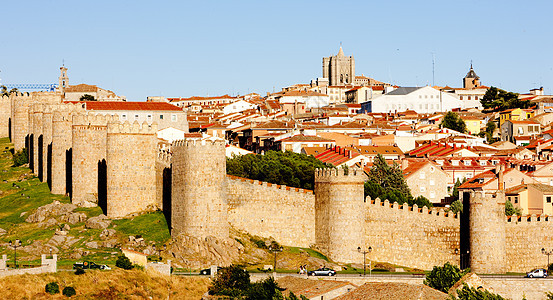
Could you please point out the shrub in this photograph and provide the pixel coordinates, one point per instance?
(230, 281)
(259, 243)
(138, 267)
(52, 288)
(443, 278)
(123, 262)
(69, 291)
(20, 157)
(79, 271)
(468, 293)
(549, 268)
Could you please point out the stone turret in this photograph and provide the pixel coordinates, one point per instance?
(131, 157)
(35, 118)
(89, 151)
(199, 201)
(20, 119)
(339, 213)
(487, 232)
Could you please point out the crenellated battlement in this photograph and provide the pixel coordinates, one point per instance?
(514, 219)
(164, 155)
(270, 185)
(352, 175)
(434, 211)
(131, 128)
(187, 142)
(90, 119)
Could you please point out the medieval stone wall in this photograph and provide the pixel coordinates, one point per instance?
(525, 237)
(5, 115)
(199, 201)
(35, 119)
(131, 156)
(269, 210)
(89, 151)
(20, 119)
(410, 236)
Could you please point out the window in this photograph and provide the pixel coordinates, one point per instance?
(136, 117)
(161, 117)
(468, 175)
(422, 175)
(149, 117)
(548, 199)
(422, 189)
(288, 147)
(469, 97)
(516, 199)
(431, 182)
(432, 194)
(461, 97)
(468, 162)
(123, 117)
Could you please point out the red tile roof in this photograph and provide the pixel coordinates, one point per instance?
(336, 155)
(119, 105)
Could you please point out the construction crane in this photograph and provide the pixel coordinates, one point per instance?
(32, 86)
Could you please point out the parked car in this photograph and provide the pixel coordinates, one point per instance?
(208, 271)
(537, 273)
(90, 265)
(322, 272)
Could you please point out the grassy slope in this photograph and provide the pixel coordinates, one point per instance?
(116, 284)
(23, 192)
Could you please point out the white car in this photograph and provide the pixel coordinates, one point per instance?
(537, 273)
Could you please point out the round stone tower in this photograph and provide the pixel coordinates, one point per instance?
(199, 200)
(487, 232)
(339, 213)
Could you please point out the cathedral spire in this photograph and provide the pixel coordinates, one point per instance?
(341, 52)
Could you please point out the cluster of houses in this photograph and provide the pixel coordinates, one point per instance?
(349, 124)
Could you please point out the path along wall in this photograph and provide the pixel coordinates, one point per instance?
(269, 210)
(524, 238)
(410, 236)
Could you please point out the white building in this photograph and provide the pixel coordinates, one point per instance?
(420, 99)
(312, 100)
(238, 106)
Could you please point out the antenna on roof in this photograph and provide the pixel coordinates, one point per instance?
(433, 58)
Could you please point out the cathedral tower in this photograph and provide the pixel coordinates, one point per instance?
(339, 69)
(471, 80)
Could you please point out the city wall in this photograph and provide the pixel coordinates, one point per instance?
(269, 210)
(525, 237)
(410, 236)
(5, 116)
(130, 159)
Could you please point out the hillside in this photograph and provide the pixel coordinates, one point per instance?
(47, 223)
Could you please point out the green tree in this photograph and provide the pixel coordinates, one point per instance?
(456, 206)
(69, 291)
(4, 90)
(388, 177)
(266, 289)
(230, 281)
(87, 97)
(490, 128)
(468, 293)
(123, 262)
(285, 168)
(498, 99)
(443, 278)
(452, 121)
(510, 209)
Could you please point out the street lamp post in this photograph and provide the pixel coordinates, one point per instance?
(275, 248)
(547, 253)
(370, 263)
(15, 244)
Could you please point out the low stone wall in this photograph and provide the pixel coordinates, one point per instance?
(521, 288)
(410, 236)
(49, 265)
(162, 268)
(269, 210)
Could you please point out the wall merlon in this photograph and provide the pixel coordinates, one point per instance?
(292, 190)
(131, 128)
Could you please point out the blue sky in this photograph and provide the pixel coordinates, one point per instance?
(187, 48)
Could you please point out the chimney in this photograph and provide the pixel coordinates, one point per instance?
(349, 154)
(500, 178)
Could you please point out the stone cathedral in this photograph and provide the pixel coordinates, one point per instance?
(339, 69)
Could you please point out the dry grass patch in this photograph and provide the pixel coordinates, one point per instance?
(116, 284)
